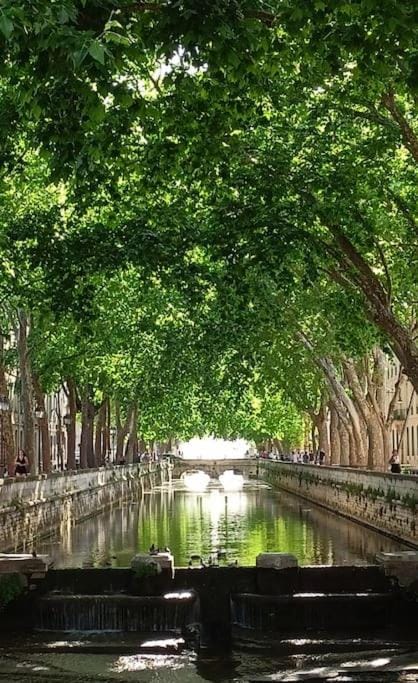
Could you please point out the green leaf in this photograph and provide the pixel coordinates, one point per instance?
(96, 50)
(79, 57)
(97, 113)
(63, 16)
(6, 26)
(113, 37)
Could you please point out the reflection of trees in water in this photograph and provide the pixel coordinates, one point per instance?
(244, 523)
(351, 541)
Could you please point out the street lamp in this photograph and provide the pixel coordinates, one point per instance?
(112, 432)
(69, 421)
(4, 408)
(39, 414)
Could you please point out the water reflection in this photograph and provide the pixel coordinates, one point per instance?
(241, 523)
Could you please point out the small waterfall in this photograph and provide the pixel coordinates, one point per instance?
(311, 611)
(248, 611)
(173, 612)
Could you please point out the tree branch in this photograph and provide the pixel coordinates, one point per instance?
(408, 135)
(404, 210)
(387, 274)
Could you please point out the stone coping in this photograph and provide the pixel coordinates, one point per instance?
(360, 471)
(71, 473)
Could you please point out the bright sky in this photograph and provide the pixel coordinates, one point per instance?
(210, 448)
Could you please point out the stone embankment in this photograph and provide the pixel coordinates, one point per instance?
(385, 502)
(35, 507)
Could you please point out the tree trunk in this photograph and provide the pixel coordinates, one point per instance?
(322, 425)
(122, 431)
(277, 444)
(87, 431)
(313, 437)
(71, 427)
(344, 445)
(26, 390)
(132, 445)
(106, 433)
(43, 426)
(409, 137)
(352, 449)
(60, 440)
(335, 447)
(375, 453)
(7, 444)
(360, 275)
(376, 446)
(337, 389)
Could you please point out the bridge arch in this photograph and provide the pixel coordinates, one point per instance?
(248, 467)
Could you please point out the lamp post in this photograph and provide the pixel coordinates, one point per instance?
(112, 434)
(39, 414)
(68, 421)
(4, 408)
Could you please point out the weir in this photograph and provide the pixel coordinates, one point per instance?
(217, 607)
(118, 612)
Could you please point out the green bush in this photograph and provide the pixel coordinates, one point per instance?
(11, 586)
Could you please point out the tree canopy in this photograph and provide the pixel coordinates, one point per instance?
(209, 209)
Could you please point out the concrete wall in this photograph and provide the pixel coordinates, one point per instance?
(37, 506)
(386, 502)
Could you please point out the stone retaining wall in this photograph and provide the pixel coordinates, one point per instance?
(37, 506)
(386, 502)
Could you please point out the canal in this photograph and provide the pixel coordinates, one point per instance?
(240, 524)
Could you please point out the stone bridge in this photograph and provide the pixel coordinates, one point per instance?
(248, 467)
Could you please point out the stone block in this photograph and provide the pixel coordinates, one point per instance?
(158, 562)
(276, 560)
(402, 565)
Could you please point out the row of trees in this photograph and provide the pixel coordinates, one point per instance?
(208, 216)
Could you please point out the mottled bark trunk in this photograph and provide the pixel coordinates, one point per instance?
(376, 446)
(87, 431)
(26, 390)
(352, 449)
(122, 431)
(132, 445)
(335, 447)
(106, 433)
(322, 425)
(369, 416)
(313, 437)
(43, 426)
(359, 273)
(8, 444)
(277, 444)
(344, 445)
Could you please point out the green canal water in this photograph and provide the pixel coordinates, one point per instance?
(241, 523)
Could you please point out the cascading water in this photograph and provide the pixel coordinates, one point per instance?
(311, 611)
(173, 612)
